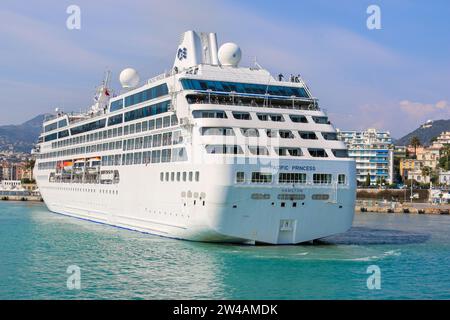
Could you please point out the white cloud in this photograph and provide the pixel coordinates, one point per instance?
(419, 110)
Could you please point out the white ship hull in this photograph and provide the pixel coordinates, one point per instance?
(226, 213)
(209, 151)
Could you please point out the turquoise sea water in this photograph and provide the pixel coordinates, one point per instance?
(36, 248)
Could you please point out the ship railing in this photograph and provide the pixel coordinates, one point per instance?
(253, 100)
(161, 76)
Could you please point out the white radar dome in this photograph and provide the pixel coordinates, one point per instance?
(129, 78)
(230, 54)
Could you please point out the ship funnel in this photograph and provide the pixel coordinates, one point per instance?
(196, 48)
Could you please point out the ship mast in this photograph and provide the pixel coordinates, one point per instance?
(102, 95)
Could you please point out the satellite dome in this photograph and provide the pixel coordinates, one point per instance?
(230, 54)
(129, 78)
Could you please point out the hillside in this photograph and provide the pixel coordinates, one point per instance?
(425, 133)
(22, 137)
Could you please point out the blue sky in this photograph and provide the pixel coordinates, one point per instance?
(392, 79)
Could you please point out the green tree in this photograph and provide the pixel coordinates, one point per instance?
(30, 164)
(426, 172)
(415, 142)
(444, 157)
(367, 183)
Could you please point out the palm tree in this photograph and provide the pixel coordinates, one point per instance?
(426, 172)
(415, 142)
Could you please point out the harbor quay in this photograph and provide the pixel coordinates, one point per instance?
(372, 206)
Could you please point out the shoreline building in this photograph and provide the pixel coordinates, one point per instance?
(373, 152)
(441, 140)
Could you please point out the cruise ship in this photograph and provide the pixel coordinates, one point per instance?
(208, 151)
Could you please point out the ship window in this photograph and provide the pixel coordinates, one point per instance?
(209, 114)
(138, 143)
(126, 130)
(161, 176)
(276, 117)
(172, 176)
(145, 126)
(156, 156)
(317, 153)
(322, 178)
(272, 133)
(190, 175)
(308, 135)
(320, 196)
(298, 119)
(132, 128)
(249, 132)
(179, 154)
(137, 158)
(291, 197)
(146, 157)
(146, 95)
(116, 105)
(147, 142)
(260, 196)
(167, 139)
(270, 116)
(197, 176)
(166, 122)
(63, 134)
(210, 131)
(138, 127)
(321, 120)
(167, 176)
(130, 144)
(158, 123)
(285, 177)
(224, 149)
(184, 176)
(241, 115)
(117, 119)
(330, 135)
(50, 127)
(261, 177)
(286, 152)
(50, 137)
(129, 159)
(157, 140)
(240, 177)
(259, 151)
(190, 84)
(178, 176)
(286, 134)
(62, 123)
(166, 155)
(88, 127)
(263, 117)
(340, 153)
(341, 178)
(151, 125)
(174, 120)
(147, 111)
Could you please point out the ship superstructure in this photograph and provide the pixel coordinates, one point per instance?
(209, 151)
